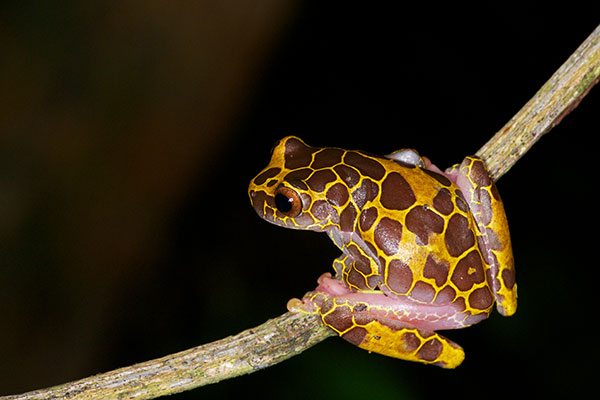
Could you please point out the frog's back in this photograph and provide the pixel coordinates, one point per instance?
(423, 234)
(414, 223)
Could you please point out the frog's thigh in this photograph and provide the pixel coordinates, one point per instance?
(483, 197)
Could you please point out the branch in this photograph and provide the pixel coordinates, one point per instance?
(251, 350)
(290, 334)
(557, 98)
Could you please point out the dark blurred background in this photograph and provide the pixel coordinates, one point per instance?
(130, 130)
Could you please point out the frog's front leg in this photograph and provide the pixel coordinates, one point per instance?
(483, 198)
(356, 269)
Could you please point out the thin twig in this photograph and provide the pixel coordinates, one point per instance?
(290, 334)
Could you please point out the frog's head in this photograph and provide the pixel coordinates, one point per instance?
(297, 189)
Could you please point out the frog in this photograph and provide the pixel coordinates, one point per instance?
(423, 249)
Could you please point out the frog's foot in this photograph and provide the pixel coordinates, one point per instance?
(407, 343)
(380, 331)
(296, 305)
(330, 286)
(314, 300)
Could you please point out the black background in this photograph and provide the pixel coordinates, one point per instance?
(92, 136)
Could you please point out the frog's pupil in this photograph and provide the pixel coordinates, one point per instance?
(283, 203)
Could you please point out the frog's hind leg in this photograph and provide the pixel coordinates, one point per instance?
(388, 336)
(363, 320)
(407, 343)
(482, 195)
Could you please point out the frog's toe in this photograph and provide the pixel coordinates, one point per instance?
(294, 305)
(330, 286)
(310, 303)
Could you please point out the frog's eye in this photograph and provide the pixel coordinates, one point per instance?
(288, 201)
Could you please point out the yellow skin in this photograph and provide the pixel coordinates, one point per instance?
(422, 249)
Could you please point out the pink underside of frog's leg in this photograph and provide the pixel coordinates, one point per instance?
(395, 310)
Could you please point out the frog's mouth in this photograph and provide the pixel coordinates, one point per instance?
(258, 199)
(264, 206)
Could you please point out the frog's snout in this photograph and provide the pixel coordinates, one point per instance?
(252, 194)
(258, 199)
